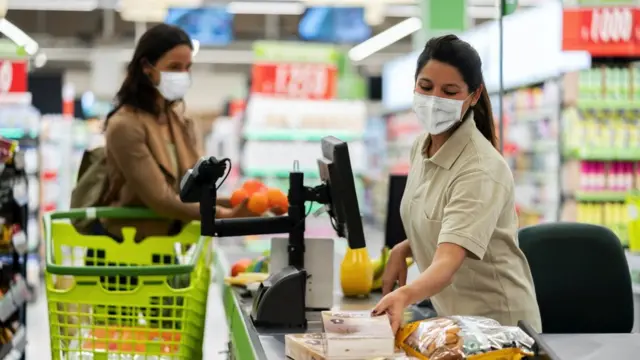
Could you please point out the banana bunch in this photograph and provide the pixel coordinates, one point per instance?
(379, 265)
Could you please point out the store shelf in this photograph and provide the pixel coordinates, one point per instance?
(299, 135)
(601, 196)
(15, 349)
(604, 154)
(17, 133)
(545, 111)
(14, 299)
(614, 105)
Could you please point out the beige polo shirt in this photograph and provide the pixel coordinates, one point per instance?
(464, 195)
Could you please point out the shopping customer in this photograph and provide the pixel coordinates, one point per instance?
(149, 144)
(458, 207)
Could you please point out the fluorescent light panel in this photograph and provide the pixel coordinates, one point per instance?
(385, 38)
(265, 7)
(66, 5)
(18, 36)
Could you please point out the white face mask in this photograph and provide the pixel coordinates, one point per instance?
(437, 114)
(174, 85)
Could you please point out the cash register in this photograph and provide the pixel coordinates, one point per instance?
(280, 300)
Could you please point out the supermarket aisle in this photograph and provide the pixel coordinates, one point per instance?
(38, 346)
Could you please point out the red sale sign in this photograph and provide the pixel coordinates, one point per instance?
(305, 81)
(602, 31)
(13, 76)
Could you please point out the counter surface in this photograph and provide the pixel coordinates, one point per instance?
(268, 344)
(594, 346)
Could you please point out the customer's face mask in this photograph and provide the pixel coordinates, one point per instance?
(174, 85)
(436, 114)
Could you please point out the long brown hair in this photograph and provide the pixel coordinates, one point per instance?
(449, 49)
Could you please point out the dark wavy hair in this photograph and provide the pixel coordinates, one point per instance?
(137, 90)
(449, 49)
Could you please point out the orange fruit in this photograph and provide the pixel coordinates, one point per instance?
(252, 186)
(278, 199)
(238, 197)
(258, 203)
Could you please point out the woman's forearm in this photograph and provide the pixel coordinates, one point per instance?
(223, 201)
(447, 260)
(404, 247)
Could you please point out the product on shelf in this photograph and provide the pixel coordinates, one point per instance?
(531, 149)
(613, 215)
(601, 139)
(614, 176)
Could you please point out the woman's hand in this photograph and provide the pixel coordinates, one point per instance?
(393, 306)
(240, 211)
(278, 211)
(223, 201)
(396, 268)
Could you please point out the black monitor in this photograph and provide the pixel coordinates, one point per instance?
(336, 173)
(394, 229)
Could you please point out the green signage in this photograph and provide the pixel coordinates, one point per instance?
(282, 51)
(9, 50)
(440, 17)
(509, 6)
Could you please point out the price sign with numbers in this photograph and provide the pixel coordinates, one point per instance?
(295, 80)
(602, 31)
(13, 76)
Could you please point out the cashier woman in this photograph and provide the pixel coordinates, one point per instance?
(458, 208)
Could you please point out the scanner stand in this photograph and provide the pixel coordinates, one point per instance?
(280, 300)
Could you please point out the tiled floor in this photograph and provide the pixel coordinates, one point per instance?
(38, 347)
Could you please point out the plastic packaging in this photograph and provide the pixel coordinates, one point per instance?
(460, 337)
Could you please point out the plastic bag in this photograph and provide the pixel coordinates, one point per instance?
(461, 337)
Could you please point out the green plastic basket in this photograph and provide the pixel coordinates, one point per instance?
(134, 301)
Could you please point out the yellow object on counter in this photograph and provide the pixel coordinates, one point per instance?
(356, 273)
(244, 279)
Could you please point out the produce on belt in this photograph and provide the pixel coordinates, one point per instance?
(240, 266)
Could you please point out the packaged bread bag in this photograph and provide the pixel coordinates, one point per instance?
(464, 337)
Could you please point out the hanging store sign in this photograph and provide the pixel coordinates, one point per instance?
(13, 76)
(295, 80)
(602, 31)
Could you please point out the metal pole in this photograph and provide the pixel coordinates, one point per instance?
(501, 75)
(108, 23)
(139, 29)
(272, 26)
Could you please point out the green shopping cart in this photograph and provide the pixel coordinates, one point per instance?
(136, 300)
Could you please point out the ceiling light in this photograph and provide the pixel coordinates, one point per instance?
(483, 12)
(18, 37)
(196, 47)
(266, 7)
(385, 38)
(48, 5)
(40, 60)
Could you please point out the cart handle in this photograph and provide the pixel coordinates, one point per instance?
(111, 212)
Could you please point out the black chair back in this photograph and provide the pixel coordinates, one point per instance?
(581, 276)
(394, 230)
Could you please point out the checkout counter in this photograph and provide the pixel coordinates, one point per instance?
(281, 298)
(248, 342)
